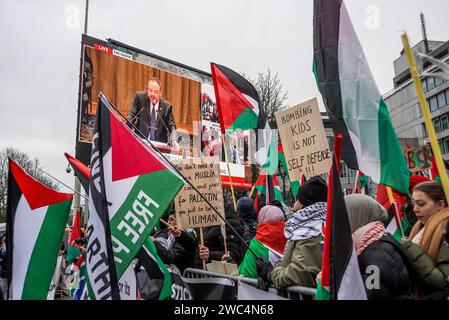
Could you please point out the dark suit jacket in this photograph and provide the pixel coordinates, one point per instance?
(141, 118)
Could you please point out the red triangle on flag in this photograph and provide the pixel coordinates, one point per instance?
(261, 179)
(36, 194)
(130, 157)
(280, 148)
(230, 101)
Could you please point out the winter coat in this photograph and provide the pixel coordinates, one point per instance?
(182, 251)
(300, 264)
(247, 213)
(430, 259)
(393, 276)
(249, 232)
(430, 276)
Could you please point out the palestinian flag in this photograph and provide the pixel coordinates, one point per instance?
(294, 185)
(396, 224)
(340, 277)
(262, 183)
(130, 188)
(268, 243)
(79, 279)
(82, 172)
(396, 220)
(238, 102)
(239, 108)
(361, 183)
(36, 219)
(435, 175)
(73, 252)
(155, 268)
(352, 100)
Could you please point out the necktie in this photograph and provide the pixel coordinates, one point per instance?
(153, 123)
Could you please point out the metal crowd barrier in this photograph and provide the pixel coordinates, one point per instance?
(293, 292)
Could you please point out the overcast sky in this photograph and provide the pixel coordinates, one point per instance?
(40, 51)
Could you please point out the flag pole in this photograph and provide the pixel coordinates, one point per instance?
(251, 193)
(356, 180)
(138, 132)
(223, 139)
(202, 243)
(426, 114)
(76, 192)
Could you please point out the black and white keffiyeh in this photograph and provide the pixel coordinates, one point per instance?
(306, 223)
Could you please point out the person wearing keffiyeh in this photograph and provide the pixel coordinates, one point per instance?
(301, 261)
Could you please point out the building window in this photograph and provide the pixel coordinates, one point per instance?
(446, 146)
(447, 95)
(424, 130)
(436, 125)
(430, 83)
(424, 84)
(444, 123)
(330, 141)
(440, 142)
(441, 100)
(433, 104)
(343, 170)
(438, 82)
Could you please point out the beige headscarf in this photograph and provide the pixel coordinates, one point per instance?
(362, 210)
(433, 233)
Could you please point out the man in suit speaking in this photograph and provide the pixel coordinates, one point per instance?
(152, 114)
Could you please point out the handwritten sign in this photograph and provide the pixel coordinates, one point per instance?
(419, 159)
(191, 209)
(304, 140)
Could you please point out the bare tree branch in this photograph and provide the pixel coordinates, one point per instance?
(32, 167)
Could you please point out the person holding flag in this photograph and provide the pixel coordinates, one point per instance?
(268, 243)
(176, 246)
(302, 258)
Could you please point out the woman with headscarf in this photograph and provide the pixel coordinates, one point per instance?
(381, 260)
(302, 258)
(268, 243)
(425, 248)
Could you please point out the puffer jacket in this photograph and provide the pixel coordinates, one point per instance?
(300, 264)
(430, 276)
(393, 279)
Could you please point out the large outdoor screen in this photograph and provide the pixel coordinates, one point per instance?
(171, 104)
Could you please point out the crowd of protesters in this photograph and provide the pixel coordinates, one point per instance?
(416, 267)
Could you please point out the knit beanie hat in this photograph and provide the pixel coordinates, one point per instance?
(245, 209)
(312, 191)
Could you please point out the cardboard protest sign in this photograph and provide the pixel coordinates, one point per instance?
(419, 159)
(191, 210)
(304, 140)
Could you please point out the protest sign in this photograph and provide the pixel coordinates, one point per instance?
(419, 159)
(304, 140)
(191, 209)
